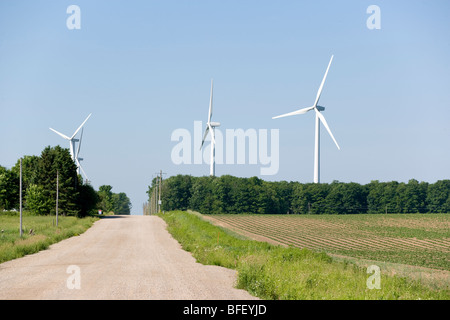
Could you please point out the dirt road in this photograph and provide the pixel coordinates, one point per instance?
(121, 257)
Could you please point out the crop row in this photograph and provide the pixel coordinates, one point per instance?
(325, 235)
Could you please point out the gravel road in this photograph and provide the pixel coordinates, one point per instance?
(119, 257)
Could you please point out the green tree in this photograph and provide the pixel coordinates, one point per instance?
(122, 204)
(438, 197)
(310, 198)
(415, 197)
(105, 196)
(37, 201)
(176, 192)
(51, 161)
(87, 200)
(29, 170)
(346, 198)
(202, 196)
(9, 189)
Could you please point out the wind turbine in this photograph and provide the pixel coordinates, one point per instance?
(72, 142)
(210, 126)
(319, 115)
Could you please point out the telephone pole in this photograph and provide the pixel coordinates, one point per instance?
(20, 198)
(57, 195)
(159, 181)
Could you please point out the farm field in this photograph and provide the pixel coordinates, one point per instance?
(412, 239)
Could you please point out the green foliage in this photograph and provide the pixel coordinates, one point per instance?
(37, 201)
(9, 192)
(109, 201)
(39, 176)
(228, 194)
(438, 196)
(87, 200)
(105, 198)
(121, 203)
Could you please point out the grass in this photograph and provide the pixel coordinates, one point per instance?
(44, 233)
(275, 272)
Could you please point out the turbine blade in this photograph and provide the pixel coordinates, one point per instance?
(210, 102)
(81, 125)
(204, 136)
(62, 135)
(300, 111)
(322, 118)
(213, 140)
(84, 173)
(79, 143)
(319, 92)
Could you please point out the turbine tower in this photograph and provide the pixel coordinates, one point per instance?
(210, 126)
(78, 159)
(319, 116)
(72, 141)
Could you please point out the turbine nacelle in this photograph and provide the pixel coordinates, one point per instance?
(214, 124)
(320, 108)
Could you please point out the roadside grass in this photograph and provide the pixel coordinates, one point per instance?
(43, 233)
(287, 273)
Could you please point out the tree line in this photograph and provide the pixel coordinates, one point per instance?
(39, 175)
(229, 194)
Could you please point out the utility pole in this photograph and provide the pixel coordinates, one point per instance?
(154, 197)
(159, 186)
(160, 190)
(57, 195)
(160, 182)
(20, 198)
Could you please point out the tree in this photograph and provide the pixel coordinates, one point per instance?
(202, 196)
(438, 197)
(121, 203)
(177, 192)
(37, 201)
(105, 196)
(9, 189)
(346, 198)
(87, 200)
(58, 160)
(111, 202)
(29, 170)
(310, 198)
(415, 197)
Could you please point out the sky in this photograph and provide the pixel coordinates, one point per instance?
(143, 69)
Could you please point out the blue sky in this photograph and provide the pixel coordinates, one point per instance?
(143, 69)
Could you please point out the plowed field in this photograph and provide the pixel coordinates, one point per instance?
(422, 240)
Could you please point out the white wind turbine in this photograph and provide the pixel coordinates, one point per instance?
(319, 115)
(72, 141)
(210, 128)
